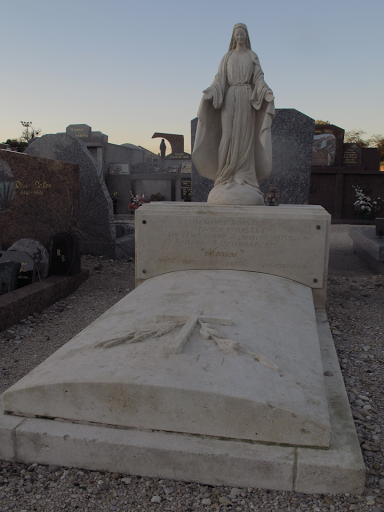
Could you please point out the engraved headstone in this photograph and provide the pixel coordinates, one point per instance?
(65, 257)
(351, 155)
(44, 198)
(81, 131)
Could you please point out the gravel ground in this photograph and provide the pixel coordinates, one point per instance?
(355, 310)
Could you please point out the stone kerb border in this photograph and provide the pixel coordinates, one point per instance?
(34, 298)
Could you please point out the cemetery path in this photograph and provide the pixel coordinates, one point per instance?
(355, 308)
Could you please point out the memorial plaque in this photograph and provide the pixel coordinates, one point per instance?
(81, 131)
(119, 168)
(45, 196)
(186, 189)
(27, 273)
(352, 155)
(286, 241)
(178, 156)
(327, 149)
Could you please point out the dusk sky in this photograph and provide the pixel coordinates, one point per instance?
(130, 69)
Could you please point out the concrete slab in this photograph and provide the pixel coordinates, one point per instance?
(269, 387)
(195, 352)
(340, 469)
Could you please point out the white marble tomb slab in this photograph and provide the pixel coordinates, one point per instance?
(289, 240)
(200, 390)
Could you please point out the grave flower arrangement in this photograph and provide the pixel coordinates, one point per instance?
(364, 205)
(136, 202)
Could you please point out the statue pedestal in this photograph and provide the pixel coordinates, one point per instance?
(236, 194)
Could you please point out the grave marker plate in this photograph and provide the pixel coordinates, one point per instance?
(186, 189)
(27, 273)
(9, 271)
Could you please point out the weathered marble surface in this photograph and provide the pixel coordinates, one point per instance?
(289, 241)
(269, 387)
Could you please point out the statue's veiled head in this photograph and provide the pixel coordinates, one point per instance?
(238, 28)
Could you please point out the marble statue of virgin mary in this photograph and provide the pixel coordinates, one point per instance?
(233, 138)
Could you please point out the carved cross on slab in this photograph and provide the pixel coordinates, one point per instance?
(188, 324)
(178, 344)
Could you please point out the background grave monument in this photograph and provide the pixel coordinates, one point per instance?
(337, 167)
(43, 197)
(95, 225)
(292, 141)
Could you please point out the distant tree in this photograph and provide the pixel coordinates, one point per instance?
(377, 141)
(319, 121)
(22, 143)
(356, 137)
(30, 133)
(17, 144)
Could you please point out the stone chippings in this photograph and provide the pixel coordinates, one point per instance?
(355, 308)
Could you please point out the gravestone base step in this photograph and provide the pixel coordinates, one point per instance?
(197, 458)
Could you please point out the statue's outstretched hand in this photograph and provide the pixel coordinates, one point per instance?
(269, 96)
(208, 94)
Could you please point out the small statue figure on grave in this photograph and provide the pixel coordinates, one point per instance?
(233, 139)
(163, 147)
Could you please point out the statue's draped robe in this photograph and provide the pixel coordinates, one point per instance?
(233, 137)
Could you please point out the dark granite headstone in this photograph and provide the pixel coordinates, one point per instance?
(292, 140)
(327, 145)
(27, 274)
(46, 194)
(65, 256)
(351, 155)
(9, 272)
(95, 227)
